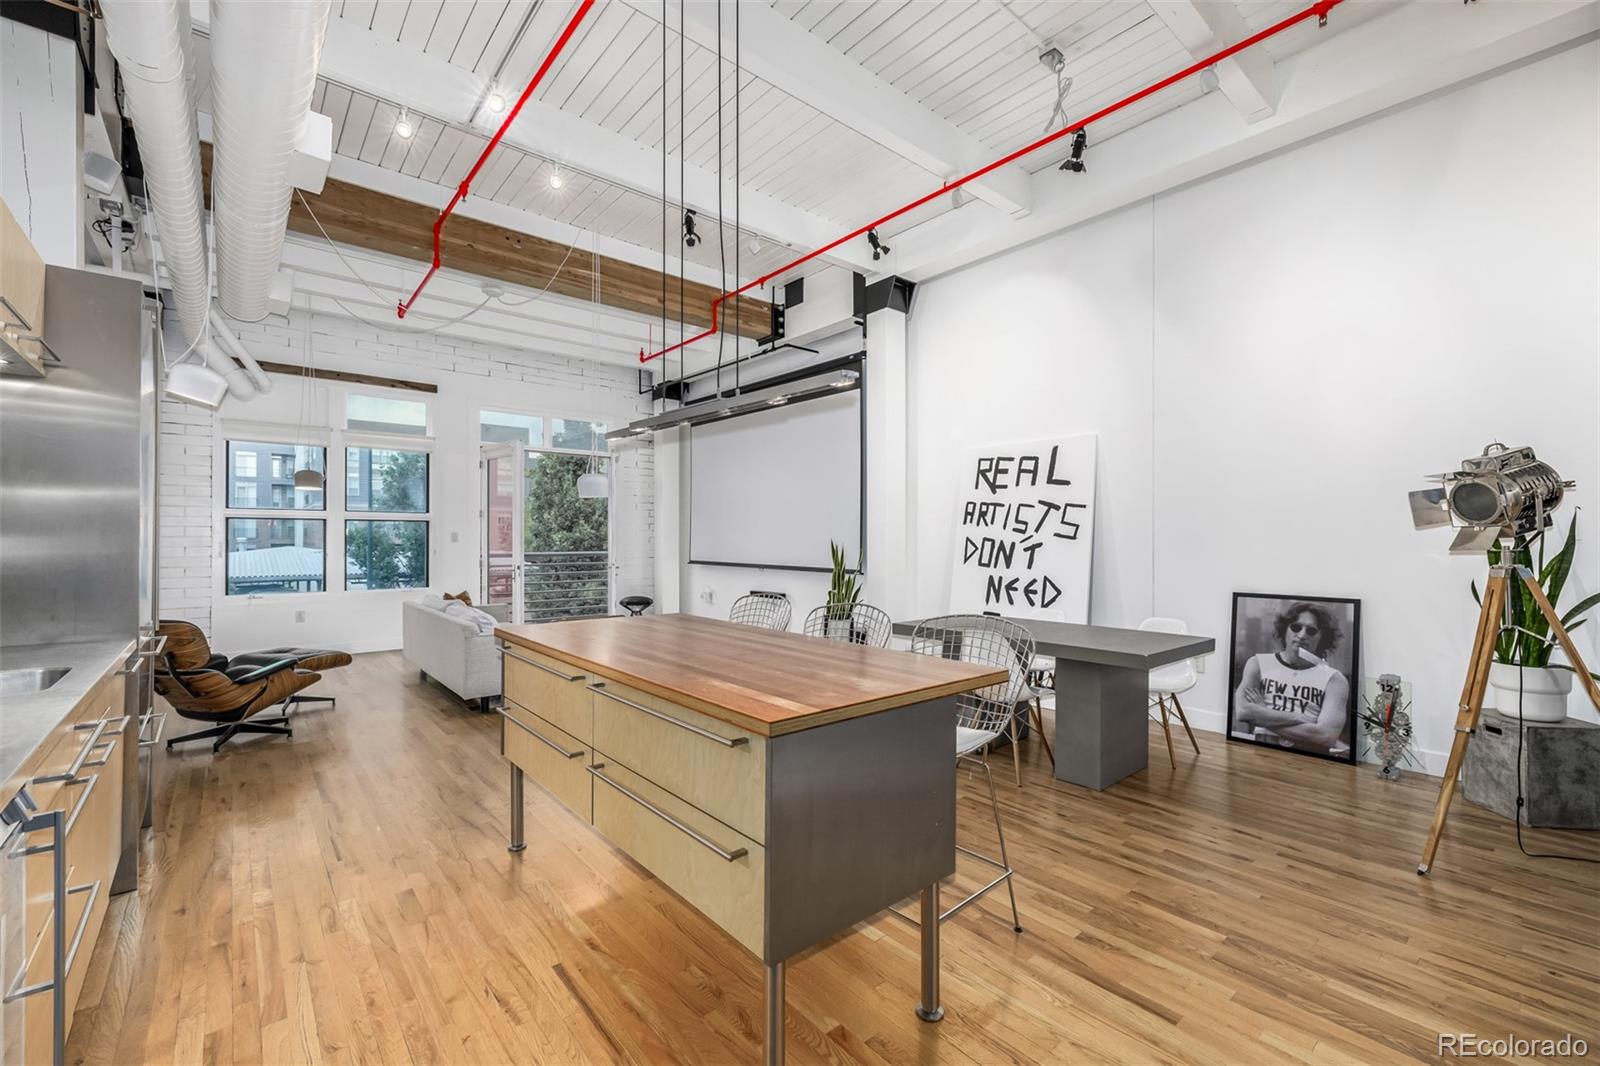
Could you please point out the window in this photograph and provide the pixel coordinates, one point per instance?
(268, 555)
(381, 479)
(247, 488)
(498, 427)
(382, 414)
(385, 554)
(570, 434)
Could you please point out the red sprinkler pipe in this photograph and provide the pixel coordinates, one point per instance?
(461, 190)
(1318, 10)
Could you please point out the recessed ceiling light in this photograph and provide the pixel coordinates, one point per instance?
(404, 127)
(496, 103)
(556, 180)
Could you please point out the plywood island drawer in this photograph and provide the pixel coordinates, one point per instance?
(549, 688)
(554, 758)
(721, 873)
(717, 767)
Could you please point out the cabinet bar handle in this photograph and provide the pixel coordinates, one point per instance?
(156, 649)
(539, 666)
(727, 742)
(83, 756)
(160, 719)
(730, 856)
(552, 745)
(23, 848)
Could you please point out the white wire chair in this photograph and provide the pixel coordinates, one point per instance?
(850, 623)
(985, 715)
(764, 610)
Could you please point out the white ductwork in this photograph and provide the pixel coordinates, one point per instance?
(264, 60)
(222, 335)
(150, 39)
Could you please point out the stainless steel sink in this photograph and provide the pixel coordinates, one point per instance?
(30, 679)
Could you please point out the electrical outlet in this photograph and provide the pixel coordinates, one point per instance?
(299, 616)
(455, 536)
(708, 594)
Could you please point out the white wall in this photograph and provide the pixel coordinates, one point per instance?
(1275, 356)
(41, 139)
(470, 376)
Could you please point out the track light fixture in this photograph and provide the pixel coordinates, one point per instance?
(1074, 162)
(879, 249)
(556, 180)
(690, 237)
(496, 102)
(404, 127)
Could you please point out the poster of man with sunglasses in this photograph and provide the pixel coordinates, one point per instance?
(1293, 665)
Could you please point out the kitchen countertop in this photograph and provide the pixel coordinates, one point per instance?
(26, 720)
(761, 680)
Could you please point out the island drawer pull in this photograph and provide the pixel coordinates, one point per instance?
(727, 742)
(83, 755)
(540, 738)
(541, 666)
(699, 838)
(121, 724)
(157, 648)
(160, 718)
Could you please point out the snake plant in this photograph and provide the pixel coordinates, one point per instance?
(1527, 640)
(845, 589)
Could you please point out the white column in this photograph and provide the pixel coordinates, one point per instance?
(887, 565)
(41, 143)
(670, 505)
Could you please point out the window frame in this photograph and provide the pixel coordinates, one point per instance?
(229, 518)
(229, 508)
(427, 549)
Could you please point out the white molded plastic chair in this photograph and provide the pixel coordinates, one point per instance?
(1169, 680)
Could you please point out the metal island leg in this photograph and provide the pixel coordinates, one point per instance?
(518, 841)
(930, 1010)
(774, 1012)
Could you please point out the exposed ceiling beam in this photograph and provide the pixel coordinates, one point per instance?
(795, 62)
(408, 77)
(1204, 27)
(1408, 52)
(367, 219)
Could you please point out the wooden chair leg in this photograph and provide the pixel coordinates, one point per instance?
(1037, 709)
(1016, 748)
(1161, 701)
(1185, 720)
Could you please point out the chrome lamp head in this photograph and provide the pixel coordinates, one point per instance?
(1499, 495)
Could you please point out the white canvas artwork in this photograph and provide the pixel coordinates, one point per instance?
(1025, 515)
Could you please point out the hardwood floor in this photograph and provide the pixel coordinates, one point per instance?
(346, 896)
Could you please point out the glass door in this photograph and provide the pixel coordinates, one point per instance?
(504, 489)
(567, 538)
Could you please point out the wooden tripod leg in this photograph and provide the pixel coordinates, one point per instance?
(1038, 718)
(1470, 708)
(1178, 706)
(1166, 728)
(1590, 686)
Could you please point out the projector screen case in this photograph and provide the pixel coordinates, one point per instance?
(770, 490)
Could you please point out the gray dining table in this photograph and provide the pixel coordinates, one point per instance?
(1102, 692)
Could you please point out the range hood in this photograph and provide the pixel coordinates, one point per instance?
(734, 404)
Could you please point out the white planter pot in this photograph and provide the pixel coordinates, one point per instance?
(1544, 692)
(839, 629)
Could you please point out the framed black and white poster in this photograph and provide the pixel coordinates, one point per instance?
(1291, 675)
(1025, 529)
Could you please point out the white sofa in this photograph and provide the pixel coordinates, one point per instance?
(451, 649)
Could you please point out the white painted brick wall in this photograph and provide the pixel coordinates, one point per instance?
(558, 385)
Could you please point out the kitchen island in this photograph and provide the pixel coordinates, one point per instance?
(787, 787)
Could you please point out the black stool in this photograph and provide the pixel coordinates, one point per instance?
(635, 605)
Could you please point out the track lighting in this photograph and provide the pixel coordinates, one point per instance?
(404, 127)
(690, 237)
(496, 102)
(556, 180)
(1074, 162)
(879, 249)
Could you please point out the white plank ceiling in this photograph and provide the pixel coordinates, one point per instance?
(973, 63)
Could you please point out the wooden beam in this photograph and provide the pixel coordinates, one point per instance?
(345, 376)
(382, 223)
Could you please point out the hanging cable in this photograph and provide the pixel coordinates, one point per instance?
(683, 205)
(738, 181)
(722, 243)
(663, 194)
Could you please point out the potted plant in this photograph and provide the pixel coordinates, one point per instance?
(1522, 674)
(844, 592)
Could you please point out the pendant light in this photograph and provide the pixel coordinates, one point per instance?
(306, 478)
(594, 485)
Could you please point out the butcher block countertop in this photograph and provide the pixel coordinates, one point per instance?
(760, 680)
